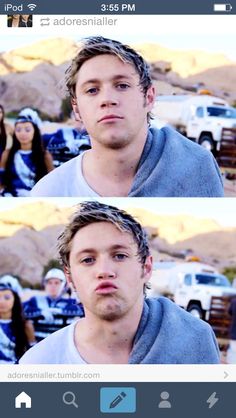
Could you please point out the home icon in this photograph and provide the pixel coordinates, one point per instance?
(23, 400)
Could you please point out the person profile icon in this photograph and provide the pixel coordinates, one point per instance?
(164, 403)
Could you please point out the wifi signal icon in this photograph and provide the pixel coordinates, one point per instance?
(31, 6)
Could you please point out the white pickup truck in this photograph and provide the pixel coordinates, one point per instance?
(200, 117)
(190, 284)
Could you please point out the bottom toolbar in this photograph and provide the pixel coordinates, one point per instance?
(95, 399)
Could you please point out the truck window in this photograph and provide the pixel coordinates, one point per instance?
(188, 279)
(221, 112)
(212, 280)
(200, 112)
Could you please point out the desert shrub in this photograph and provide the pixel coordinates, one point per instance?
(230, 272)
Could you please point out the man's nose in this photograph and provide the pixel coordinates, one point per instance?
(108, 98)
(105, 270)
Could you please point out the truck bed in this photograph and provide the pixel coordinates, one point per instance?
(220, 320)
(226, 156)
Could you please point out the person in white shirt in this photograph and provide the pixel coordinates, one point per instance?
(112, 94)
(107, 260)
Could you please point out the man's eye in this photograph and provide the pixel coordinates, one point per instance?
(123, 86)
(120, 256)
(87, 260)
(92, 90)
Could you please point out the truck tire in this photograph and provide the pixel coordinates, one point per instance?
(196, 311)
(207, 142)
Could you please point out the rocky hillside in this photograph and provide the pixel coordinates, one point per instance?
(34, 216)
(52, 51)
(185, 63)
(28, 236)
(32, 75)
(175, 228)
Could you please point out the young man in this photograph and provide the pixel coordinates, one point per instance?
(106, 257)
(112, 94)
(52, 311)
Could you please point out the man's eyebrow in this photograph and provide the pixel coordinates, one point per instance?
(112, 248)
(85, 250)
(115, 78)
(120, 247)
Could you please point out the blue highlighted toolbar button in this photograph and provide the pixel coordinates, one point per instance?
(118, 400)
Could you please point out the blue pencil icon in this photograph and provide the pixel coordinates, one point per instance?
(117, 400)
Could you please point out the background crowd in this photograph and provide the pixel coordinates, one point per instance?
(23, 324)
(26, 154)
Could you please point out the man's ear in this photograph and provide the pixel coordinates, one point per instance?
(76, 110)
(69, 278)
(67, 274)
(150, 97)
(147, 268)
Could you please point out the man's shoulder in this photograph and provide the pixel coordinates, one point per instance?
(36, 299)
(32, 302)
(169, 335)
(51, 350)
(174, 166)
(178, 319)
(180, 143)
(180, 316)
(54, 182)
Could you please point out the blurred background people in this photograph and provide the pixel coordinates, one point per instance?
(26, 161)
(6, 132)
(53, 310)
(67, 142)
(19, 21)
(28, 112)
(16, 334)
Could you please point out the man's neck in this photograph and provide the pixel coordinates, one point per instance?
(100, 341)
(111, 172)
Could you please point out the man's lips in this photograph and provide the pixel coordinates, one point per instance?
(106, 287)
(109, 118)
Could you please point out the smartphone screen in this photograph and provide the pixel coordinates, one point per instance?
(117, 208)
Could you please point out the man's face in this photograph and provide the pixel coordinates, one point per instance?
(54, 287)
(110, 101)
(106, 272)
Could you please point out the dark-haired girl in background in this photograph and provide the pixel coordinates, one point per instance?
(16, 334)
(26, 162)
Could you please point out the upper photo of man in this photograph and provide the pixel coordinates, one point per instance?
(112, 95)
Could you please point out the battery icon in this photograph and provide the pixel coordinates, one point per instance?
(222, 7)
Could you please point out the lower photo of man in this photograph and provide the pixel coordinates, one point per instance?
(123, 282)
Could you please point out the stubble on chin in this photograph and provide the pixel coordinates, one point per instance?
(114, 141)
(109, 310)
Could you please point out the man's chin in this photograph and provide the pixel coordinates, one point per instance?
(114, 142)
(110, 312)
